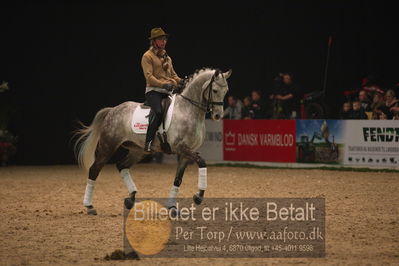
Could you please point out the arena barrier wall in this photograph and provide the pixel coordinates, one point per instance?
(303, 143)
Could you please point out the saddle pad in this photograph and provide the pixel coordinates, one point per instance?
(140, 119)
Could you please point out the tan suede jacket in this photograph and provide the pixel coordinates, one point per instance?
(155, 74)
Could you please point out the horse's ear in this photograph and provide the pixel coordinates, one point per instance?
(227, 74)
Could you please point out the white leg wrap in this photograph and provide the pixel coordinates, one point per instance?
(202, 178)
(172, 196)
(131, 187)
(87, 200)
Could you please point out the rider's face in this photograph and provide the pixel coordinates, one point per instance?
(161, 42)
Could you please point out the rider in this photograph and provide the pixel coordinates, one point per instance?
(161, 79)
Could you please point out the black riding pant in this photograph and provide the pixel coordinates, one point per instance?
(154, 99)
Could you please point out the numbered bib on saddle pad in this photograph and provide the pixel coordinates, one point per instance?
(140, 118)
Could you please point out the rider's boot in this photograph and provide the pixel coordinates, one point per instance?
(152, 129)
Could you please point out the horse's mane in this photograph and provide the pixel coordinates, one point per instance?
(196, 73)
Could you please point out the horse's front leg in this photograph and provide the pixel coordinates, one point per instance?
(202, 172)
(181, 167)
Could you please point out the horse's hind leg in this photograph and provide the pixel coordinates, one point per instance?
(101, 158)
(123, 167)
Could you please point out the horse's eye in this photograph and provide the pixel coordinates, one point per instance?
(214, 91)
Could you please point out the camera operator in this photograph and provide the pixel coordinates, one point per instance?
(285, 97)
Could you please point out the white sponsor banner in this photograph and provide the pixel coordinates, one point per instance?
(372, 142)
(212, 149)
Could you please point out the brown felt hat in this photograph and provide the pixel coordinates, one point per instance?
(157, 32)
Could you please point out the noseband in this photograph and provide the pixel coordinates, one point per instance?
(208, 106)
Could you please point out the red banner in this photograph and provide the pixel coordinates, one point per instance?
(259, 140)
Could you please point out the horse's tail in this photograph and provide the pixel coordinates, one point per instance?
(86, 144)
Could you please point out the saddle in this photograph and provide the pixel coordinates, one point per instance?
(165, 103)
(143, 113)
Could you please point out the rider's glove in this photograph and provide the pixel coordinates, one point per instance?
(168, 87)
(181, 85)
(182, 82)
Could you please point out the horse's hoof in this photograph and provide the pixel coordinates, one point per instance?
(91, 210)
(174, 212)
(197, 199)
(129, 203)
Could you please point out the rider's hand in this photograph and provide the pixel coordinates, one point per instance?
(181, 83)
(168, 87)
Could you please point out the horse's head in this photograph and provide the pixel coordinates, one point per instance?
(214, 91)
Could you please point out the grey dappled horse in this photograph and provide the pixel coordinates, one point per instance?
(111, 130)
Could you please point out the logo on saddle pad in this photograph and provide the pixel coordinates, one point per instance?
(140, 126)
(140, 118)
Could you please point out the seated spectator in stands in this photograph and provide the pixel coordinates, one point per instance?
(383, 116)
(345, 111)
(357, 111)
(395, 110)
(269, 103)
(247, 112)
(383, 113)
(391, 102)
(365, 101)
(234, 108)
(258, 105)
(378, 101)
(286, 96)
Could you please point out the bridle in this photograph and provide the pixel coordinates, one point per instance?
(208, 106)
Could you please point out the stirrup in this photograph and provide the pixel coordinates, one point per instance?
(147, 147)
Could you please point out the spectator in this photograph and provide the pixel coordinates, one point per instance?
(345, 111)
(258, 105)
(247, 112)
(383, 113)
(357, 111)
(391, 102)
(378, 101)
(234, 108)
(286, 96)
(383, 116)
(269, 103)
(395, 110)
(365, 101)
